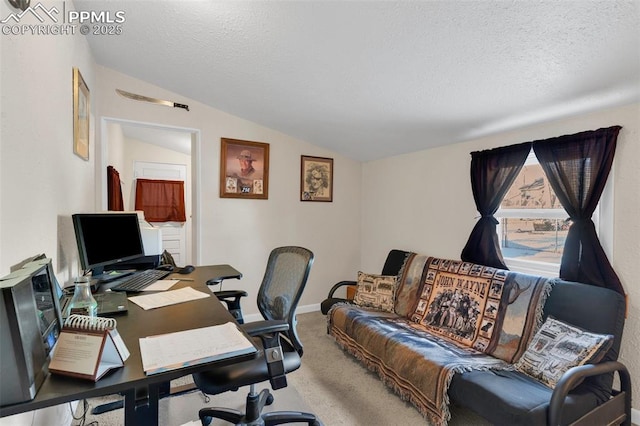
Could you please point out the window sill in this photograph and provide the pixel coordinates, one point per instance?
(533, 268)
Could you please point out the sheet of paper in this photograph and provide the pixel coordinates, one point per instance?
(190, 347)
(166, 298)
(161, 285)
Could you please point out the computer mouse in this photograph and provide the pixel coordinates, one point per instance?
(186, 269)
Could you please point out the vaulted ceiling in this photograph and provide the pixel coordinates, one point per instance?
(371, 79)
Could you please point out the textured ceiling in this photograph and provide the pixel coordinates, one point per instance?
(374, 79)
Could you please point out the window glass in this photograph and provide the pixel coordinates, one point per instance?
(533, 225)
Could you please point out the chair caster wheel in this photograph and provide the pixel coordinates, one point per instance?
(269, 400)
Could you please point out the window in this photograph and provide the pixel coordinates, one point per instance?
(533, 224)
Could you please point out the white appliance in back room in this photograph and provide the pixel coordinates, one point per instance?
(151, 236)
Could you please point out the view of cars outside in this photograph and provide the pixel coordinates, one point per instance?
(533, 224)
(540, 240)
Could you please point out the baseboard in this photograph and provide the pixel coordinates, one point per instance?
(308, 308)
(635, 416)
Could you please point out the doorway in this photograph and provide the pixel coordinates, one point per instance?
(127, 143)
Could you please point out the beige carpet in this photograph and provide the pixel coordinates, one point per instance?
(330, 383)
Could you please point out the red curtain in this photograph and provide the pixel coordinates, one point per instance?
(161, 200)
(114, 190)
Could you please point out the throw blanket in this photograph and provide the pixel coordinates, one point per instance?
(416, 365)
(491, 310)
(454, 316)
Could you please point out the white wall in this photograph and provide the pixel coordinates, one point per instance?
(423, 202)
(41, 181)
(243, 232)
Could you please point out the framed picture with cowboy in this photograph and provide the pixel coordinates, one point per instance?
(244, 169)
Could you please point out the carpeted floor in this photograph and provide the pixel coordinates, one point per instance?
(344, 392)
(330, 383)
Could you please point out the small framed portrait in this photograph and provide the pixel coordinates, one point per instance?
(81, 106)
(316, 178)
(244, 169)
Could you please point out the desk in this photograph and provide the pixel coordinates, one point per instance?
(135, 324)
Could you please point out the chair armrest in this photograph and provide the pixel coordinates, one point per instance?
(575, 375)
(257, 328)
(338, 285)
(230, 293)
(269, 332)
(232, 299)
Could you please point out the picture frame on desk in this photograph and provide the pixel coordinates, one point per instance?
(81, 114)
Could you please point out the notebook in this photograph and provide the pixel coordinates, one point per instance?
(109, 303)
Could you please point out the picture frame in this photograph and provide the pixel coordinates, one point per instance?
(244, 169)
(316, 178)
(81, 114)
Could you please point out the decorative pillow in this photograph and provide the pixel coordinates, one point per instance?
(376, 291)
(558, 346)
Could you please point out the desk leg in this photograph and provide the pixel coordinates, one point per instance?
(142, 412)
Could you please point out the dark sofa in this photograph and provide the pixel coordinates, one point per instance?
(584, 395)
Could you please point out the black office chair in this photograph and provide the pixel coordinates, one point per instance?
(284, 280)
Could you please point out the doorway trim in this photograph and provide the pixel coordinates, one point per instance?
(196, 164)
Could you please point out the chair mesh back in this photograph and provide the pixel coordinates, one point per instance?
(284, 280)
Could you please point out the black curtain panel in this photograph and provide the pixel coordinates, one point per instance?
(577, 167)
(492, 174)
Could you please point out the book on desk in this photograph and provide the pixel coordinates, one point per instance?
(191, 347)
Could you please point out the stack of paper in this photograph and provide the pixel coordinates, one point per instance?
(184, 348)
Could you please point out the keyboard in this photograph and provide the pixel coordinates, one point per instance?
(141, 280)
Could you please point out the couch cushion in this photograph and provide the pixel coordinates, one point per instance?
(513, 398)
(558, 346)
(416, 365)
(395, 262)
(375, 291)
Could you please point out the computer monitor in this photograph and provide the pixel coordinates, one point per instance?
(107, 241)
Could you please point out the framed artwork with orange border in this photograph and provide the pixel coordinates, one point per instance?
(244, 169)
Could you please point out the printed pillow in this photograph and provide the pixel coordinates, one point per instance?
(375, 291)
(558, 346)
